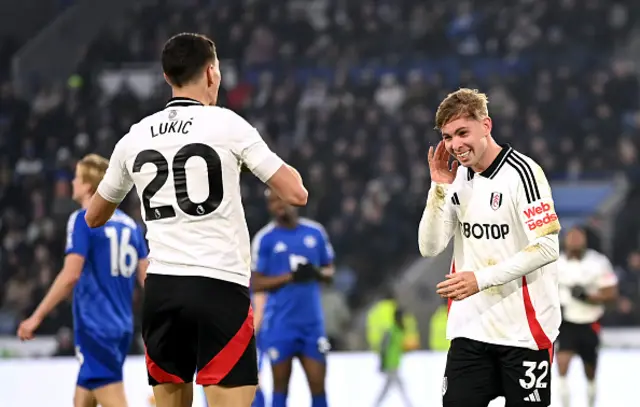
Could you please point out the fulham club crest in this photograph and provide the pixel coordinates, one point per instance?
(496, 200)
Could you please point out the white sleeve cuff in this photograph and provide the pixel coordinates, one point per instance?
(267, 167)
(111, 194)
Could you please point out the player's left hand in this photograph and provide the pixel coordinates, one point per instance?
(27, 328)
(458, 286)
(579, 293)
(305, 273)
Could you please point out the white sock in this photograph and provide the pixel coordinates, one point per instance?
(565, 393)
(591, 393)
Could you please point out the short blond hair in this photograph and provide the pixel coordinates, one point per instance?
(465, 102)
(91, 169)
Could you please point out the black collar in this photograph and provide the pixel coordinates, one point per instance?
(183, 102)
(495, 166)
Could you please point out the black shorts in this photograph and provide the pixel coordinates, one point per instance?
(581, 339)
(198, 324)
(477, 373)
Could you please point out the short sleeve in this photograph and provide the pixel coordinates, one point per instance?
(259, 254)
(117, 181)
(252, 150)
(534, 202)
(606, 275)
(141, 246)
(326, 248)
(78, 235)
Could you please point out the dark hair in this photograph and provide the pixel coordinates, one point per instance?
(185, 55)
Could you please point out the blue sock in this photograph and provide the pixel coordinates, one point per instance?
(319, 400)
(258, 400)
(279, 400)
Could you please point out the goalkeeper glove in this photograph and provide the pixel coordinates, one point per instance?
(579, 293)
(305, 273)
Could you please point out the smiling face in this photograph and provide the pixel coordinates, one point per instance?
(463, 119)
(466, 139)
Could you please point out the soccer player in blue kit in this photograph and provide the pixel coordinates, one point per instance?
(100, 267)
(291, 256)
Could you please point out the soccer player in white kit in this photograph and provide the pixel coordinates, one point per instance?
(504, 310)
(587, 282)
(185, 162)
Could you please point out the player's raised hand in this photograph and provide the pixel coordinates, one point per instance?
(27, 328)
(439, 168)
(458, 286)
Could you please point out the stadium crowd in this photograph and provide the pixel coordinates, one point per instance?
(346, 92)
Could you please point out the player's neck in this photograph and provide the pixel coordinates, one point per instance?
(191, 92)
(288, 223)
(489, 156)
(576, 254)
(84, 203)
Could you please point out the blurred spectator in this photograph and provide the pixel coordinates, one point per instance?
(336, 316)
(627, 310)
(64, 343)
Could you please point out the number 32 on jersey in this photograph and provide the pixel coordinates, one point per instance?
(178, 169)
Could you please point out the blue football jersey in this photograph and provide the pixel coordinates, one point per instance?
(277, 250)
(102, 298)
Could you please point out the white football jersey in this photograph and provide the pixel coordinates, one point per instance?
(505, 229)
(593, 271)
(185, 162)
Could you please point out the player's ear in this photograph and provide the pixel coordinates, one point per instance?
(166, 79)
(209, 72)
(213, 74)
(487, 123)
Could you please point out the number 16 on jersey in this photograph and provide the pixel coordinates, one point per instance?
(121, 250)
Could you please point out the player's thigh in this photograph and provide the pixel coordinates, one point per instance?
(226, 349)
(101, 358)
(173, 395)
(170, 337)
(589, 346)
(84, 398)
(238, 396)
(313, 358)
(569, 338)
(471, 377)
(111, 395)
(526, 376)
(315, 345)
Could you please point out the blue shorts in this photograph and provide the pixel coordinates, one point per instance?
(283, 344)
(101, 358)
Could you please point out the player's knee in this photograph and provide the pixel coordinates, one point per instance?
(590, 370)
(280, 383)
(316, 385)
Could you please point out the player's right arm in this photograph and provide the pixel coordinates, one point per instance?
(143, 253)
(260, 280)
(252, 151)
(77, 248)
(438, 222)
(607, 283)
(259, 301)
(113, 188)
